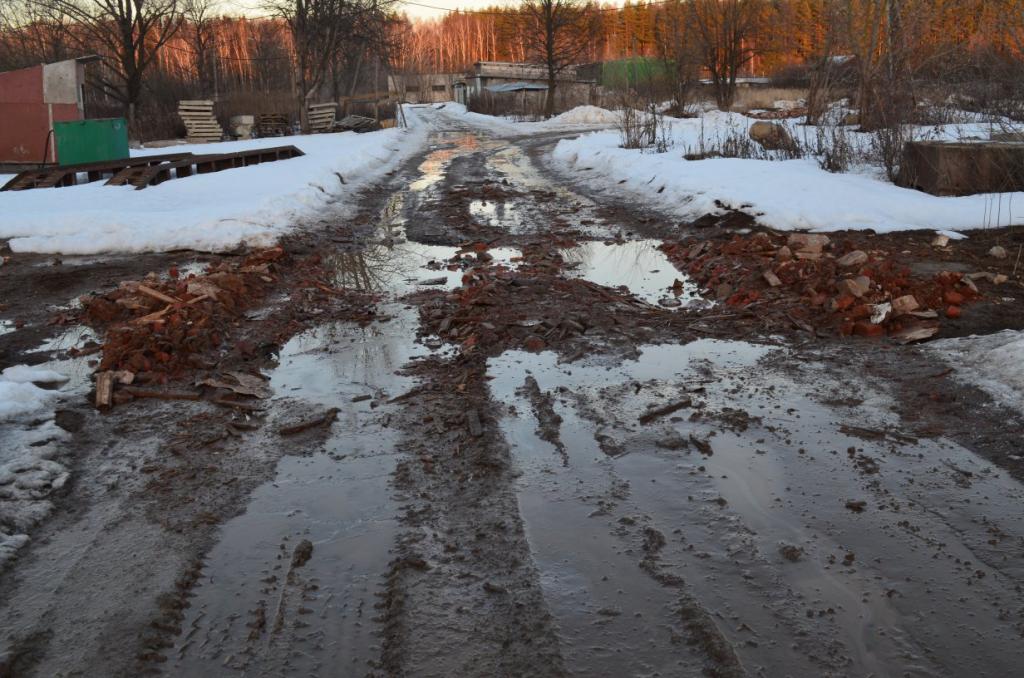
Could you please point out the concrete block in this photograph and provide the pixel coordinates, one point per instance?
(962, 168)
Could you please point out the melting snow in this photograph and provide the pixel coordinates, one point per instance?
(994, 363)
(29, 471)
(211, 212)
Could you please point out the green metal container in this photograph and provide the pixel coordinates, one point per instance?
(81, 141)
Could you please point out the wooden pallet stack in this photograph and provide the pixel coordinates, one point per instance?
(201, 125)
(321, 117)
(272, 125)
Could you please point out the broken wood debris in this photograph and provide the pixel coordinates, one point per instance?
(239, 382)
(156, 294)
(325, 419)
(652, 414)
(104, 389)
(703, 446)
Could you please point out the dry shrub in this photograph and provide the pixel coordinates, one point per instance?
(643, 127)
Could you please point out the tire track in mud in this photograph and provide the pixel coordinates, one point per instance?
(525, 498)
(462, 595)
(465, 592)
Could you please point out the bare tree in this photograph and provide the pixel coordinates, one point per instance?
(676, 48)
(32, 34)
(557, 33)
(322, 31)
(130, 33)
(823, 74)
(724, 35)
(200, 16)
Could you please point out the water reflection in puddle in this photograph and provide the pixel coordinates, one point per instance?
(338, 499)
(638, 265)
(400, 268)
(432, 169)
(875, 587)
(391, 264)
(612, 619)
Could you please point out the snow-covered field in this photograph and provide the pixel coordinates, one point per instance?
(211, 212)
(994, 363)
(783, 194)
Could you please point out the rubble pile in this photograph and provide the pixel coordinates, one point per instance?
(822, 285)
(162, 325)
(531, 307)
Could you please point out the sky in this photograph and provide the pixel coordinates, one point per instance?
(438, 7)
(415, 11)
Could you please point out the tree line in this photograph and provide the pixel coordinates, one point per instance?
(157, 51)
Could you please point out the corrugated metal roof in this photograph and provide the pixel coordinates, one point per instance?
(516, 87)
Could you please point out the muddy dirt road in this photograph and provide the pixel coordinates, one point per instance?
(549, 455)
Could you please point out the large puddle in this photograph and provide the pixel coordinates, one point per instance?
(748, 503)
(251, 614)
(637, 265)
(395, 265)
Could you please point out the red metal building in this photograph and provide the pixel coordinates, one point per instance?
(31, 100)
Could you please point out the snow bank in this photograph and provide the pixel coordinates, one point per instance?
(994, 363)
(587, 115)
(29, 470)
(581, 117)
(786, 195)
(211, 212)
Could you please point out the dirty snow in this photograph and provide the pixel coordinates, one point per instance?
(587, 115)
(581, 117)
(993, 363)
(211, 212)
(23, 374)
(783, 194)
(29, 470)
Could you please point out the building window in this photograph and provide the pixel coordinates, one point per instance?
(439, 88)
(412, 88)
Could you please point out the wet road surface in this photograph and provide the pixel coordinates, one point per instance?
(663, 506)
(757, 522)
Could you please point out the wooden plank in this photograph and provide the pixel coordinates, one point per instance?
(104, 389)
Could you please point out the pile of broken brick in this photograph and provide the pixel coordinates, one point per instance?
(162, 327)
(531, 307)
(825, 287)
